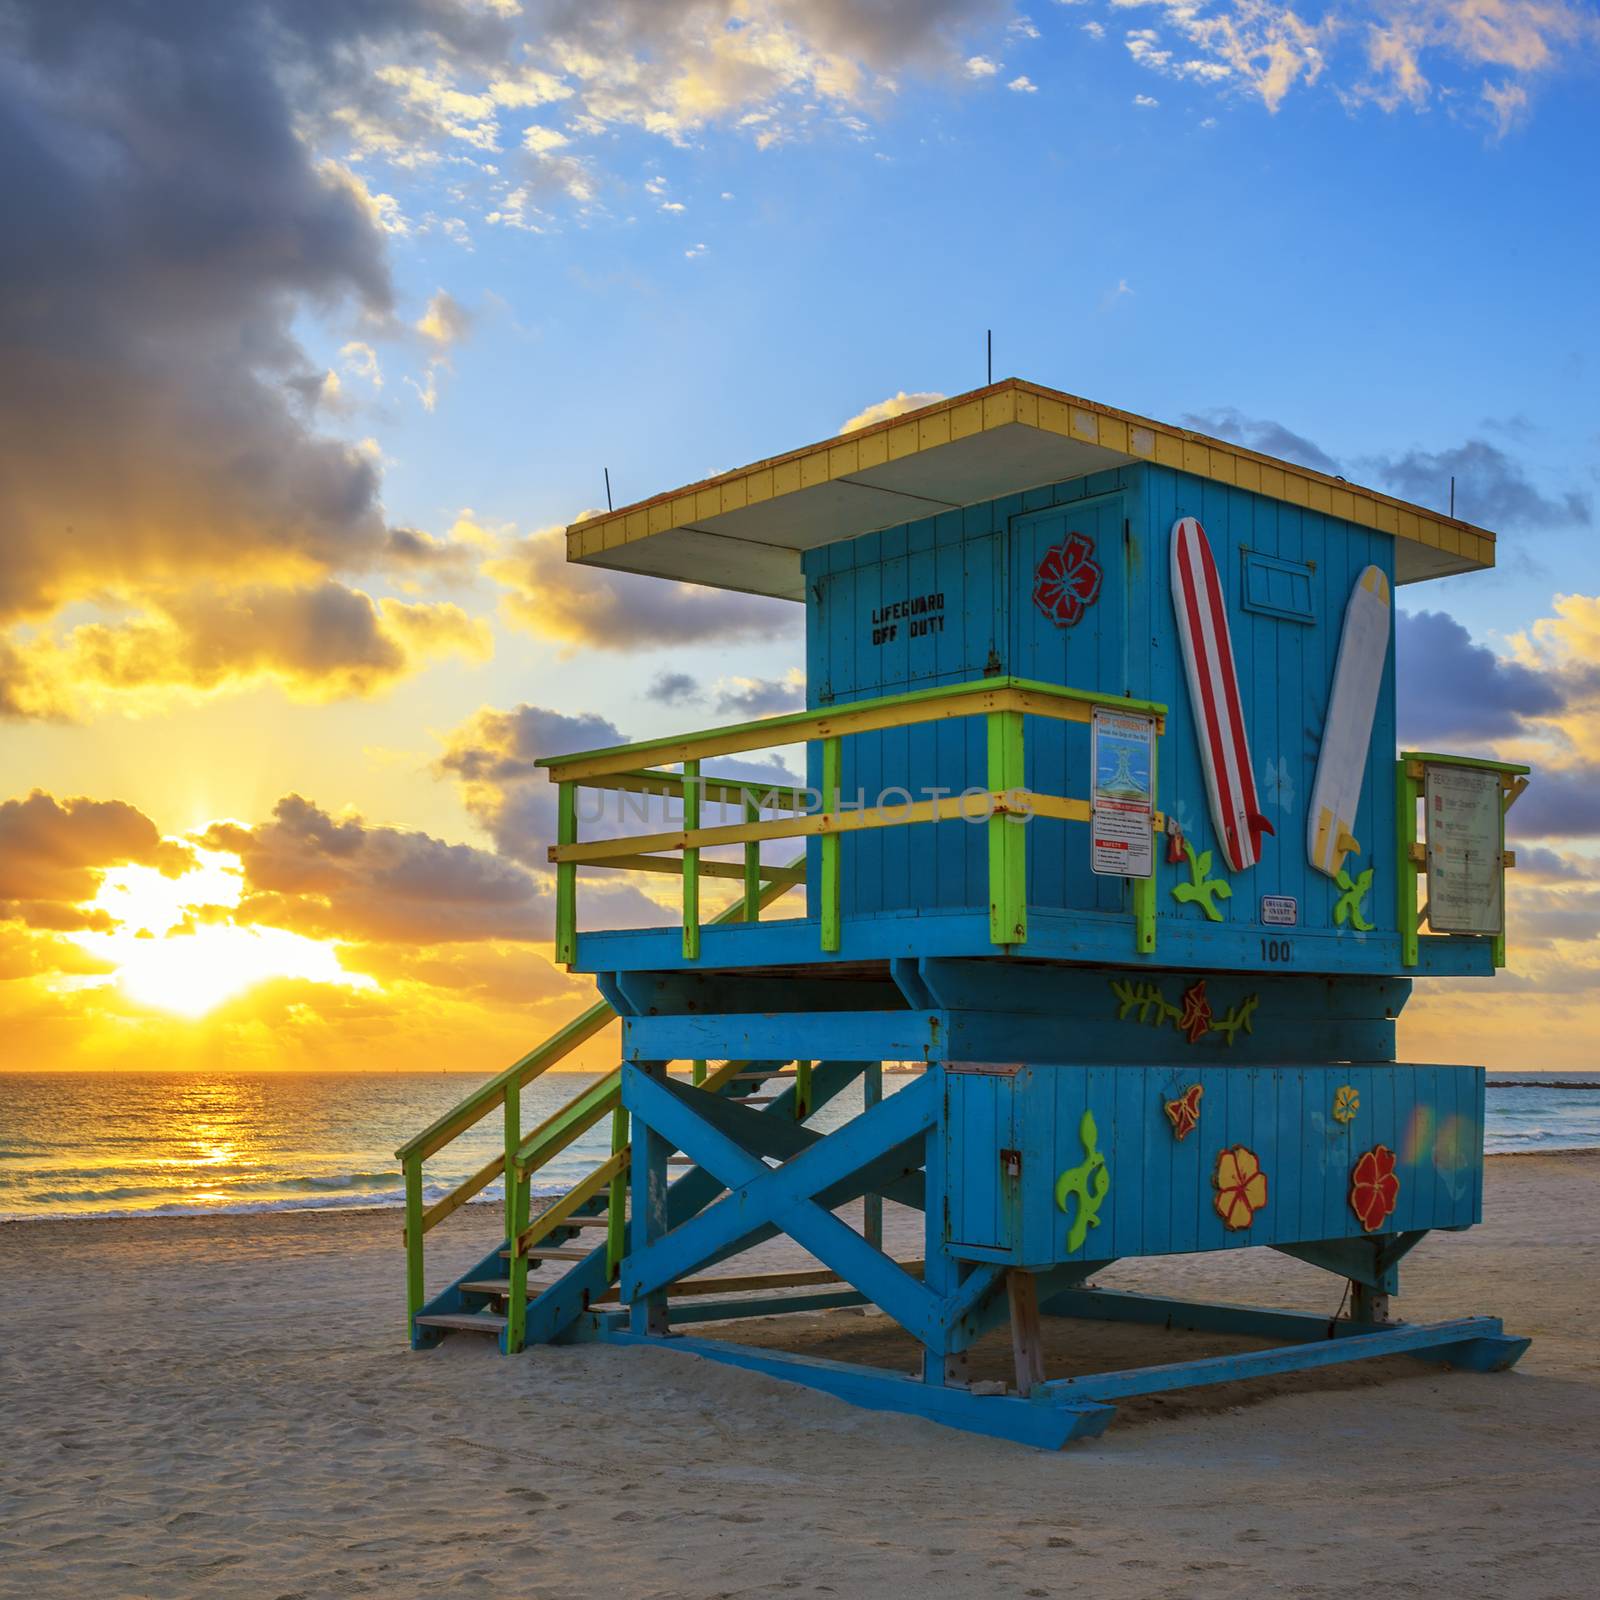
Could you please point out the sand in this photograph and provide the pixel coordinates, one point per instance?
(225, 1407)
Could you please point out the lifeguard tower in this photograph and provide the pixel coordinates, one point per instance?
(1101, 822)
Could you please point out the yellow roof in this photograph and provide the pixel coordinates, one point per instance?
(746, 529)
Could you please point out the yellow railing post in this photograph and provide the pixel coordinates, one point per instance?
(517, 1188)
(566, 875)
(830, 912)
(416, 1293)
(752, 865)
(691, 863)
(617, 1203)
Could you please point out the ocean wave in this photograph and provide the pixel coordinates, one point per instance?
(88, 1205)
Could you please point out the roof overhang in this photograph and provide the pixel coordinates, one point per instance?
(746, 529)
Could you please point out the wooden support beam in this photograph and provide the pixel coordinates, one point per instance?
(1027, 1348)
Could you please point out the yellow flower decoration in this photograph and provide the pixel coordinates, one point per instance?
(1346, 1102)
(1241, 1186)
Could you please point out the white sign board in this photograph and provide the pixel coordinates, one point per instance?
(1280, 910)
(1466, 886)
(1122, 800)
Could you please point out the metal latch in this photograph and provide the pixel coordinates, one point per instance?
(1011, 1163)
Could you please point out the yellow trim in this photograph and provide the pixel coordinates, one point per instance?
(1014, 401)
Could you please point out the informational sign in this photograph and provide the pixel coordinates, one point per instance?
(1279, 910)
(1466, 883)
(1122, 800)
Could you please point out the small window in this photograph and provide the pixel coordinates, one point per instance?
(1277, 588)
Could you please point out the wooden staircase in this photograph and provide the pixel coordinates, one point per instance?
(545, 1254)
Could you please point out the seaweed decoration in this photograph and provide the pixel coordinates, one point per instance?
(1347, 908)
(1145, 998)
(1202, 888)
(1346, 1103)
(1194, 1019)
(1090, 1181)
(1237, 1018)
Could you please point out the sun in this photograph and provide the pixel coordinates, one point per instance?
(174, 946)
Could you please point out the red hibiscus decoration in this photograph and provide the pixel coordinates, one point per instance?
(1184, 1112)
(1195, 1019)
(1067, 580)
(1374, 1189)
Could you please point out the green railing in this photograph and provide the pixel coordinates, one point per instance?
(520, 1155)
(1411, 857)
(1004, 703)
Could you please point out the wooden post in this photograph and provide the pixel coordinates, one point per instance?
(752, 865)
(872, 1204)
(516, 1205)
(941, 1272)
(1027, 1352)
(802, 1090)
(566, 875)
(648, 1313)
(691, 863)
(1405, 869)
(1368, 1304)
(1008, 836)
(830, 913)
(416, 1293)
(617, 1201)
(697, 1073)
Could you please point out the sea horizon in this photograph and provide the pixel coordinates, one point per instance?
(155, 1143)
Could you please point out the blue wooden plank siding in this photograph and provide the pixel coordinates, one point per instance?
(1161, 1199)
(978, 564)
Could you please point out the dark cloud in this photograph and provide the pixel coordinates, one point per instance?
(603, 610)
(1550, 865)
(673, 688)
(1491, 488)
(54, 853)
(760, 697)
(166, 223)
(1260, 433)
(1451, 688)
(345, 878)
(1560, 803)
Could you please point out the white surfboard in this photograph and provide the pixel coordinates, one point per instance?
(1347, 735)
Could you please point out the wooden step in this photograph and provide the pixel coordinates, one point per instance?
(585, 1222)
(542, 1252)
(462, 1321)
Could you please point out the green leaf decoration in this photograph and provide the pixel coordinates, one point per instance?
(1202, 889)
(1090, 1181)
(1238, 1018)
(1347, 908)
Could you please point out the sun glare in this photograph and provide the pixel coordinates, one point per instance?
(168, 953)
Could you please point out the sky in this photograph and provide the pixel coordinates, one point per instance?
(322, 318)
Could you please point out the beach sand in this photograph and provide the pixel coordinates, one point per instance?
(226, 1407)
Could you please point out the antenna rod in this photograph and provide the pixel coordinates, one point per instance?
(607, 471)
(1452, 494)
(989, 343)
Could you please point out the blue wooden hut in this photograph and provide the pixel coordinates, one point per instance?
(1101, 823)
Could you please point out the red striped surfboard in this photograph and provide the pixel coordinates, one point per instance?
(1214, 696)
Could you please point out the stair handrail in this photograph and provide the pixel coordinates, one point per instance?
(504, 1089)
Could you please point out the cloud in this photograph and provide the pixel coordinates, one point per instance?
(592, 608)
(897, 405)
(344, 878)
(1491, 488)
(53, 854)
(1560, 803)
(1451, 689)
(981, 67)
(1260, 433)
(156, 409)
(446, 321)
(318, 642)
(1023, 85)
(749, 698)
(673, 688)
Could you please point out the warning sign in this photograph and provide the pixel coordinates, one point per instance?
(1122, 800)
(1466, 882)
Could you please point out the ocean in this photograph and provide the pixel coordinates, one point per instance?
(170, 1144)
